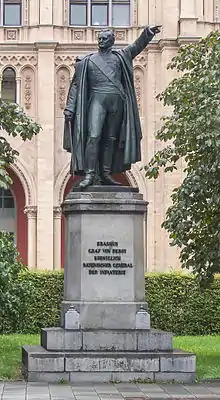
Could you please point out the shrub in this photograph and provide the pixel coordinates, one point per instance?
(44, 293)
(11, 288)
(175, 302)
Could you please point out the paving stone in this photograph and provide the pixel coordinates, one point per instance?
(62, 398)
(159, 396)
(43, 391)
(56, 390)
(213, 388)
(207, 397)
(198, 390)
(175, 390)
(13, 398)
(132, 394)
(136, 398)
(149, 387)
(110, 395)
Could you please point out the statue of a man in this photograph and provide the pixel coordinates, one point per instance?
(102, 125)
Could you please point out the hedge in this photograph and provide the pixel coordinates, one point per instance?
(175, 302)
(177, 305)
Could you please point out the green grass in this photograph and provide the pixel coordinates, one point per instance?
(206, 348)
(10, 354)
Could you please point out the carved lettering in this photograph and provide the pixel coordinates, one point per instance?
(106, 259)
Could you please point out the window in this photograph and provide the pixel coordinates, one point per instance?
(7, 211)
(120, 13)
(9, 85)
(78, 12)
(100, 13)
(11, 12)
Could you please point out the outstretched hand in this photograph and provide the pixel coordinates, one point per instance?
(155, 29)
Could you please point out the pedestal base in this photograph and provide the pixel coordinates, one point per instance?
(124, 357)
(106, 356)
(104, 300)
(105, 315)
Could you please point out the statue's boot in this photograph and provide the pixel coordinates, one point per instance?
(90, 161)
(106, 178)
(88, 180)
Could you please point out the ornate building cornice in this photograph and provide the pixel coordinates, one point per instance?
(17, 60)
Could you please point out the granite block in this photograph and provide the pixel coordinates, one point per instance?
(181, 377)
(109, 340)
(58, 339)
(37, 359)
(178, 363)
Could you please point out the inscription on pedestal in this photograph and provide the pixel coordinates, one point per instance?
(107, 259)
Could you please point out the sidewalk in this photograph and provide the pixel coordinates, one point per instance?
(43, 391)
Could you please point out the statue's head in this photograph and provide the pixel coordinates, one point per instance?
(106, 39)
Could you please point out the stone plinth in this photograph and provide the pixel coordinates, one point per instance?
(105, 330)
(104, 265)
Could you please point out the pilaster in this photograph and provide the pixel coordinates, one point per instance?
(46, 12)
(31, 212)
(45, 160)
(57, 215)
(188, 18)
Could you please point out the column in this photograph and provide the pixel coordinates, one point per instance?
(57, 215)
(188, 19)
(45, 151)
(0, 85)
(18, 90)
(31, 212)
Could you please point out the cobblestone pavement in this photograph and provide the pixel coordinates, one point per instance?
(43, 391)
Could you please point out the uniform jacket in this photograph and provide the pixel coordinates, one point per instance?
(128, 146)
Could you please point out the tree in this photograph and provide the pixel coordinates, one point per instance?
(16, 123)
(192, 132)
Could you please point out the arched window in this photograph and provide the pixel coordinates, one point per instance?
(12, 12)
(9, 85)
(100, 13)
(7, 212)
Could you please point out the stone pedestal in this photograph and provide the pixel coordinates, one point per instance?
(105, 325)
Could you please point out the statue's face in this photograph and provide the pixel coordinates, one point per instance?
(105, 39)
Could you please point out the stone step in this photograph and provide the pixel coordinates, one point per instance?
(40, 364)
(58, 339)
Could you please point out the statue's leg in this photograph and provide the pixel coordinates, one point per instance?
(113, 124)
(96, 118)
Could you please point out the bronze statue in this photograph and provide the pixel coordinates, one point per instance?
(102, 125)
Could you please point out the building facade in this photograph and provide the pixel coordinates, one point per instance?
(39, 41)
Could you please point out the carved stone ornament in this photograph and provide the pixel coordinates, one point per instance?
(77, 35)
(18, 60)
(26, 4)
(96, 34)
(27, 92)
(65, 60)
(66, 12)
(63, 89)
(11, 34)
(217, 10)
(31, 212)
(141, 59)
(138, 90)
(57, 212)
(135, 13)
(121, 35)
